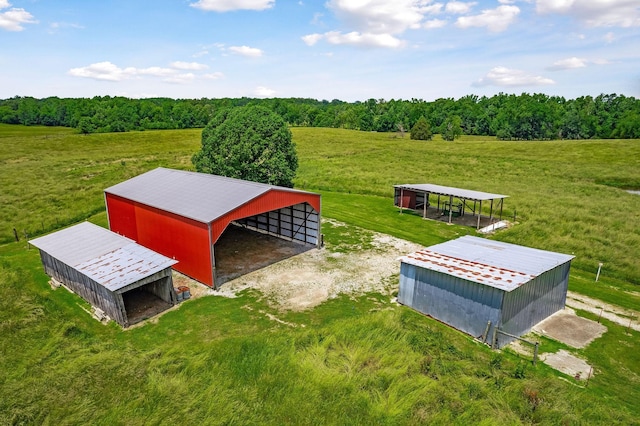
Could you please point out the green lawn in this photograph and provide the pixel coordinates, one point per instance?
(349, 361)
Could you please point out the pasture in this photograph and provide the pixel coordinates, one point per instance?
(351, 360)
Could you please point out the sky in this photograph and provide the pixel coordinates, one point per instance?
(351, 50)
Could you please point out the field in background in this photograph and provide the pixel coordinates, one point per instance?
(356, 360)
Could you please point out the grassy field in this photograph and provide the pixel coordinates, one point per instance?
(356, 360)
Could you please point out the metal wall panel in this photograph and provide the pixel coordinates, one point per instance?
(464, 305)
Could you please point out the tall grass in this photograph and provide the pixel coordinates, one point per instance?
(220, 361)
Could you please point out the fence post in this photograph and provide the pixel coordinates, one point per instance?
(486, 332)
(15, 234)
(535, 354)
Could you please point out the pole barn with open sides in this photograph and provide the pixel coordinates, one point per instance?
(475, 285)
(126, 281)
(182, 214)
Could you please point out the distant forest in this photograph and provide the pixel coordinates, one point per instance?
(505, 116)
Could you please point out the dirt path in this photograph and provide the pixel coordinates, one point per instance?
(621, 316)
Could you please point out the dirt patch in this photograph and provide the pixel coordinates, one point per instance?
(310, 278)
(569, 364)
(621, 316)
(566, 327)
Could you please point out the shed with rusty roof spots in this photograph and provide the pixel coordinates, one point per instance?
(476, 285)
(127, 281)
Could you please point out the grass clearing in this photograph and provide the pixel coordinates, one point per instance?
(358, 360)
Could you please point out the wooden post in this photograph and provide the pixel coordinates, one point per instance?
(535, 353)
(479, 214)
(425, 202)
(401, 199)
(450, 207)
(486, 332)
(15, 234)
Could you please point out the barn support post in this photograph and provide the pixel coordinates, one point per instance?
(450, 207)
(479, 214)
(501, 205)
(491, 212)
(424, 207)
(401, 203)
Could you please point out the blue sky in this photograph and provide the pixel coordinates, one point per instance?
(329, 49)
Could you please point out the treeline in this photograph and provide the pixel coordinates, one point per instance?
(506, 116)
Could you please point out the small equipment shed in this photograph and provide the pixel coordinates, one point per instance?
(126, 281)
(183, 214)
(483, 287)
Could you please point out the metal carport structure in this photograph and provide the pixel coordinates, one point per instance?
(417, 197)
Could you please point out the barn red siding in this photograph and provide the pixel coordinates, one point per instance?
(122, 216)
(174, 236)
(272, 200)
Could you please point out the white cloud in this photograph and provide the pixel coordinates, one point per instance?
(355, 38)
(502, 76)
(595, 13)
(264, 92)
(251, 52)
(111, 72)
(188, 65)
(229, 5)
(312, 39)
(379, 16)
(569, 63)
(213, 76)
(496, 20)
(434, 23)
(609, 37)
(459, 7)
(14, 18)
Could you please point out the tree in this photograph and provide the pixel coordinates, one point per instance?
(250, 143)
(421, 131)
(451, 128)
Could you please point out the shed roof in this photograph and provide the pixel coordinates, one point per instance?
(496, 264)
(199, 196)
(466, 194)
(109, 259)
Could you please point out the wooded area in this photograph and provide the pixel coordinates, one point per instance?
(506, 116)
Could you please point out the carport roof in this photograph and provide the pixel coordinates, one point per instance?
(466, 194)
(494, 263)
(199, 196)
(104, 256)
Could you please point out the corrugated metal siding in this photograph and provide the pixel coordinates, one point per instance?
(179, 238)
(528, 305)
(122, 216)
(462, 304)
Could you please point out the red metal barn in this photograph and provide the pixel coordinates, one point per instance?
(182, 214)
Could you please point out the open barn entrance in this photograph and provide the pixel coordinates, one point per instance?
(146, 301)
(240, 251)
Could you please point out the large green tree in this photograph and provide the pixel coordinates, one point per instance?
(451, 128)
(421, 130)
(251, 143)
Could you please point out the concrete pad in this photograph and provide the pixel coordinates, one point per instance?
(566, 327)
(568, 364)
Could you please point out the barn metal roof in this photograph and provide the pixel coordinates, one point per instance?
(109, 259)
(501, 265)
(199, 196)
(466, 194)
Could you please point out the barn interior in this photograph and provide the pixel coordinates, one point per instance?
(240, 251)
(144, 302)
